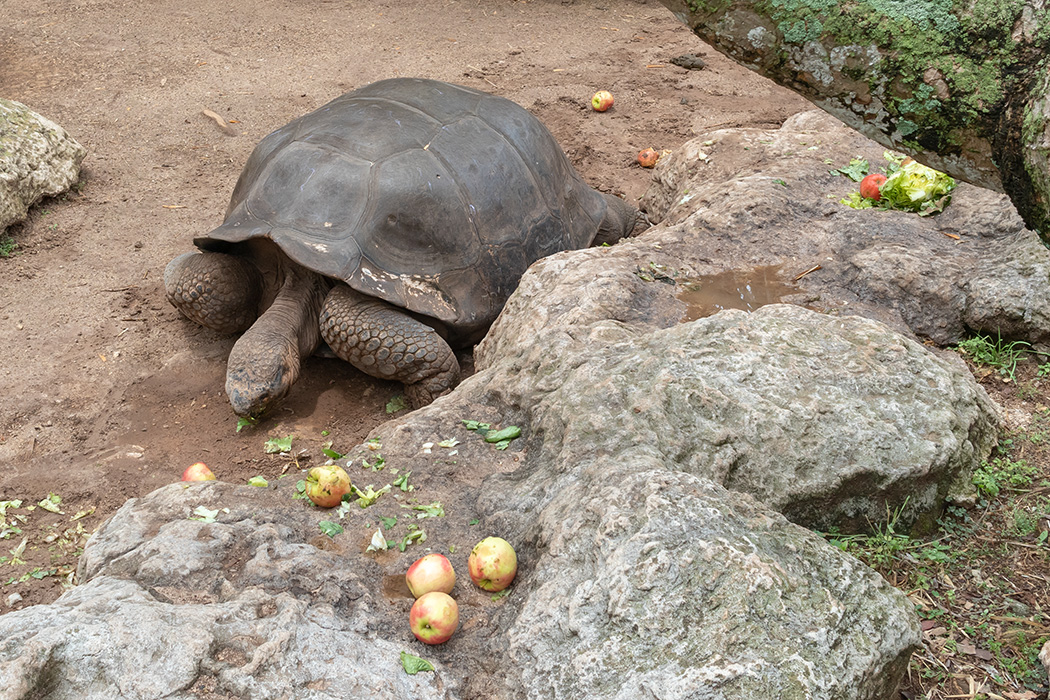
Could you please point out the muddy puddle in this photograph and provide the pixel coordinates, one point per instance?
(746, 290)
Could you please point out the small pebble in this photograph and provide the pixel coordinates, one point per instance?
(13, 599)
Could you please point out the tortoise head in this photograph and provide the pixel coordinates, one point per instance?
(259, 374)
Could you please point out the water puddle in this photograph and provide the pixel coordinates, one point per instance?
(734, 289)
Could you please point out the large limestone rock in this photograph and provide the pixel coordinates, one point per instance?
(752, 199)
(37, 158)
(640, 574)
(831, 421)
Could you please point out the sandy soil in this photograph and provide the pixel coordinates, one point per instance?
(108, 393)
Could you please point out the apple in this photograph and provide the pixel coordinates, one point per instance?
(326, 485)
(434, 617)
(492, 564)
(647, 157)
(869, 186)
(602, 101)
(431, 573)
(198, 472)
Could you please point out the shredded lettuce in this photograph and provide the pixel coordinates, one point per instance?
(915, 187)
(911, 186)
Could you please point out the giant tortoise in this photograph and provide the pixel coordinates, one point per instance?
(393, 223)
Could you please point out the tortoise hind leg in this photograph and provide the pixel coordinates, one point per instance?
(216, 290)
(385, 342)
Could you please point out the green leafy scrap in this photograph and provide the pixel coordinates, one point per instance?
(328, 452)
(431, 510)
(387, 523)
(205, 515)
(19, 550)
(507, 434)
(278, 445)
(856, 170)
(396, 404)
(4, 505)
(329, 528)
(401, 482)
(51, 503)
(300, 489)
(416, 535)
(368, 496)
(258, 481)
(414, 664)
(376, 466)
(246, 422)
(8, 530)
(501, 438)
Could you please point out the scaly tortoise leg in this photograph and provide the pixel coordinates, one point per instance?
(383, 341)
(216, 290)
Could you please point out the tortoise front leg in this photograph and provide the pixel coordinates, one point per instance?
(216, 290)
(385, 342)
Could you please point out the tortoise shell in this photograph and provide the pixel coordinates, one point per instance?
(431, 196)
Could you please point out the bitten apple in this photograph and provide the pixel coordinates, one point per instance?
(869, 186)
(326, 485)
(434, 617)
(647, 157)
(198, 472)
(431, 573)
(492, 564)
(602, 101)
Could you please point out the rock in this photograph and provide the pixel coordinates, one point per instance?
(642, 499)
(634, 577)
(832, 421)
(654, 583)
(37, 158)
(759, 199)
(170, 607)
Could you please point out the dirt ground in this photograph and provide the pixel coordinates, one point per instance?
(108, 392)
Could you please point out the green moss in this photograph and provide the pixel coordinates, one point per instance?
(700, 7)
(801, 31)
(970, 44)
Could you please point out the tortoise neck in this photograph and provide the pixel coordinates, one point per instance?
(292, 318)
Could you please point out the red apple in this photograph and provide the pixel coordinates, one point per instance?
(869, 186)
(431, 573)
(647, 157)
(492, 564)
(198, 472)
(326, 485)
(602, 101)
(434, 617)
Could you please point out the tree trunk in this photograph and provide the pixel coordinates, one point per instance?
(961, 86)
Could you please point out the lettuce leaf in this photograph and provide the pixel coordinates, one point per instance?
(915, 187)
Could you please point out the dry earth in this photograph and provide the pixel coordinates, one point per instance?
(109, 393)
